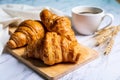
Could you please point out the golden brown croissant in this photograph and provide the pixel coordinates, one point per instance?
(58, 49)
(54, 23)
(55, 49)
(27, 32)
(57, 45)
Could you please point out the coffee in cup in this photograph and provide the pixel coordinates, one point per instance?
(86, 20)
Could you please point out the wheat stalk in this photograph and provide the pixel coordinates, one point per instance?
(107, 35)
(109, 46)
(103, 35)
(101, 38)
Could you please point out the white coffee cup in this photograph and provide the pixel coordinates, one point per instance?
(86, 20)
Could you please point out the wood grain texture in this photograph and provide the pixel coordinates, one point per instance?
(56, 71)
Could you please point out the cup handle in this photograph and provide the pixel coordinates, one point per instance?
(111, 20)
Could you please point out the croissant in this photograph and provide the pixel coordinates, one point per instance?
(52, 40)
(55, 49)
(28, 31)
(58, 49)
(54, 23)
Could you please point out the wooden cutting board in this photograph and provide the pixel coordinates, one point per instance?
(56, 71)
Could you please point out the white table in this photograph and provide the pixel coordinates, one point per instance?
(103, 68)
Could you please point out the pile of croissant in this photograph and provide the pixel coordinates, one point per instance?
(51, 40)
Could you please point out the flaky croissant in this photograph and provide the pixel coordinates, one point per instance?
(54, 43)
(27, 32)
(59, 24)
(58, 49)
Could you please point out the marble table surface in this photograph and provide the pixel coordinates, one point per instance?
(103, 68)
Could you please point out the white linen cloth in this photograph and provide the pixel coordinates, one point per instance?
(12, 12)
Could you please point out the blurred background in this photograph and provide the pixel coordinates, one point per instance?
(65, 5)
(54, 2)
(110, 6)
(57, 3)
